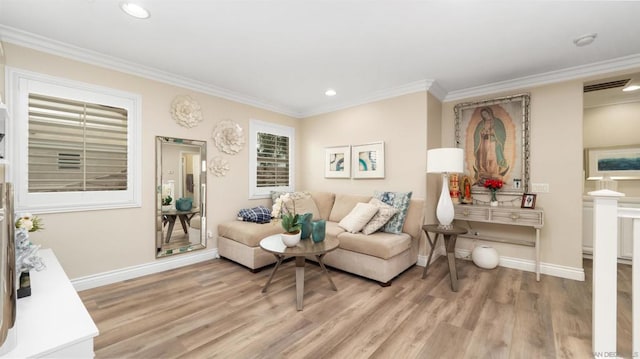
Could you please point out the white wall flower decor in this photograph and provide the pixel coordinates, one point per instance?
(186, 111)
(219, 166)
(228, 137)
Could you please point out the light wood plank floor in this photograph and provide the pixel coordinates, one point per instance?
(216, 309)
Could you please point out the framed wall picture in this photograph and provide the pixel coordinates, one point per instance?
(617, 163)
(337, 162)
(495, 137)
(368, 160)
(528, 201)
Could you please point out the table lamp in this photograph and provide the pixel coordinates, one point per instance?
(445, 161)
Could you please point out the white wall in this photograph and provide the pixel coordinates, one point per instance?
(400, 122)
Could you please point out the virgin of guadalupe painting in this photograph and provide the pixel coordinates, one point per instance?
(494, 135)
(490, 141)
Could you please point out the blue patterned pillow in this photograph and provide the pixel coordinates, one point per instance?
(259, 214)
(400, 201)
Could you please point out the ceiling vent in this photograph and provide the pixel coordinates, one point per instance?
(606, 85)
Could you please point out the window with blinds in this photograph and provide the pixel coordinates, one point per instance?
(76, 146)
(273, 160)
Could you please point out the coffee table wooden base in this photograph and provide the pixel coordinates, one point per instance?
(273, 244)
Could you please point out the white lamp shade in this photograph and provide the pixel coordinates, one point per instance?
(445, 160)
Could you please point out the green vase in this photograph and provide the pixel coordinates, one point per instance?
(318, 230)
(305, 225)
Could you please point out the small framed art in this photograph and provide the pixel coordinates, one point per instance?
(368, 160)
(528, 201)
(337, 162)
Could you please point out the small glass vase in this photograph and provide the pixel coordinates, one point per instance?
(318, 230)
(305, 225)
(494, 199)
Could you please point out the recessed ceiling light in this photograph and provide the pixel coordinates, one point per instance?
(631, 88)
(330, 92)
(134, 10)
(584, 40)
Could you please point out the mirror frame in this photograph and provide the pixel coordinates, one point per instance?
(160, 251)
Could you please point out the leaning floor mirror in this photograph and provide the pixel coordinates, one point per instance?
(180, 195)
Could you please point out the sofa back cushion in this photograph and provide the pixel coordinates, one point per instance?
(324, 202)
(415, 218)
(343, 204)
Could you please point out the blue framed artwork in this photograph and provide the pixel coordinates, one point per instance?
(368, 160)
(617, 163)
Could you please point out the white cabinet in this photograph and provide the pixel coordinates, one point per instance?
(53, 322)
(625, 228)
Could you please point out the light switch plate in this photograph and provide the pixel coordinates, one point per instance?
(540, 187)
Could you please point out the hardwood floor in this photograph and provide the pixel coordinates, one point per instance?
(216, 309)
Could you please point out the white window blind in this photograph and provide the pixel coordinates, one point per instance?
(273, 160)
(76, 146)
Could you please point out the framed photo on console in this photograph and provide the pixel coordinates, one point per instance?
(495, 137)
(528, 201)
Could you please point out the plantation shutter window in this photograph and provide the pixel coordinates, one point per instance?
(76, 146)
(273, 160)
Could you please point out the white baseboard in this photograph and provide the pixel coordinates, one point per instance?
(160, 265)
(518, 263)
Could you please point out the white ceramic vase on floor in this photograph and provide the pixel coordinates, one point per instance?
(485, 257)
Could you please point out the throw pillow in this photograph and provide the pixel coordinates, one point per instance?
(259, 214)
(360, 215)
(385, 212)
(400, 201)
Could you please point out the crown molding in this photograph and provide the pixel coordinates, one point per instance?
(44, 44)
(568, 74)
(412, 87)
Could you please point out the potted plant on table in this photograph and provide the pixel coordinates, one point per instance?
(288, 219)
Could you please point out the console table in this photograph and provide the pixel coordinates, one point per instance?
(505, 216)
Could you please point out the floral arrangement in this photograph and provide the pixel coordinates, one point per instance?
(26, 252)
(29, 222)
(493, 184)
(290, 220)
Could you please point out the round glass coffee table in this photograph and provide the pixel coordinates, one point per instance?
(273, 244)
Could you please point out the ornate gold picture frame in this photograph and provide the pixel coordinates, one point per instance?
(495, 137)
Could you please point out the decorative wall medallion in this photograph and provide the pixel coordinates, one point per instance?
(219, 166)
(186, 111)
(228, 137)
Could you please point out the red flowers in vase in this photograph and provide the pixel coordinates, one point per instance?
(493, 185)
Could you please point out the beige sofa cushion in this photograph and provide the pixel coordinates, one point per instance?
(343, 204)
(359, 216)
(333, 230)
(248, 233)
(303, 205)
(324, 202)
(382, 245)
(415, 216)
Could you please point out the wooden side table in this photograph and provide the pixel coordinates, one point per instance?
(450, 236)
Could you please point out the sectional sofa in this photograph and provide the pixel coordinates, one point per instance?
(379, 256)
